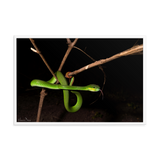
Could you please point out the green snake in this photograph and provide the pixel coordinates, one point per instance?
(64, 85)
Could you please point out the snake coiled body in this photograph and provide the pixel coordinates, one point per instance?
(64, 85)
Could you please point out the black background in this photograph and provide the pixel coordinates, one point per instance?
(125, 72)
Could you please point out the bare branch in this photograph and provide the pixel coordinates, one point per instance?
(42, 96)
(70, 46)
(100, 67)
(36, 50)
(68, 41)
(138, 49)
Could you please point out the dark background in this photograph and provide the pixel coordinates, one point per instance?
(122, 72)
(124, 76)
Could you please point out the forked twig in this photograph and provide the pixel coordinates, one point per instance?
(42, 93)
(135, 50)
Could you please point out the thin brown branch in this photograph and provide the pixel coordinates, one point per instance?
(42, 96)
(70, 46)
(138, 49)
(35, 46)
(68, 41)
(100, 67)
(36, 50)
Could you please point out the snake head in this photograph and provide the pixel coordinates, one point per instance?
(93, 88)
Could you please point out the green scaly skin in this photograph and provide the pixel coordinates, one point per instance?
(64, 85)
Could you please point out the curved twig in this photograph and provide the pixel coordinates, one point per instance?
(100, 67)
